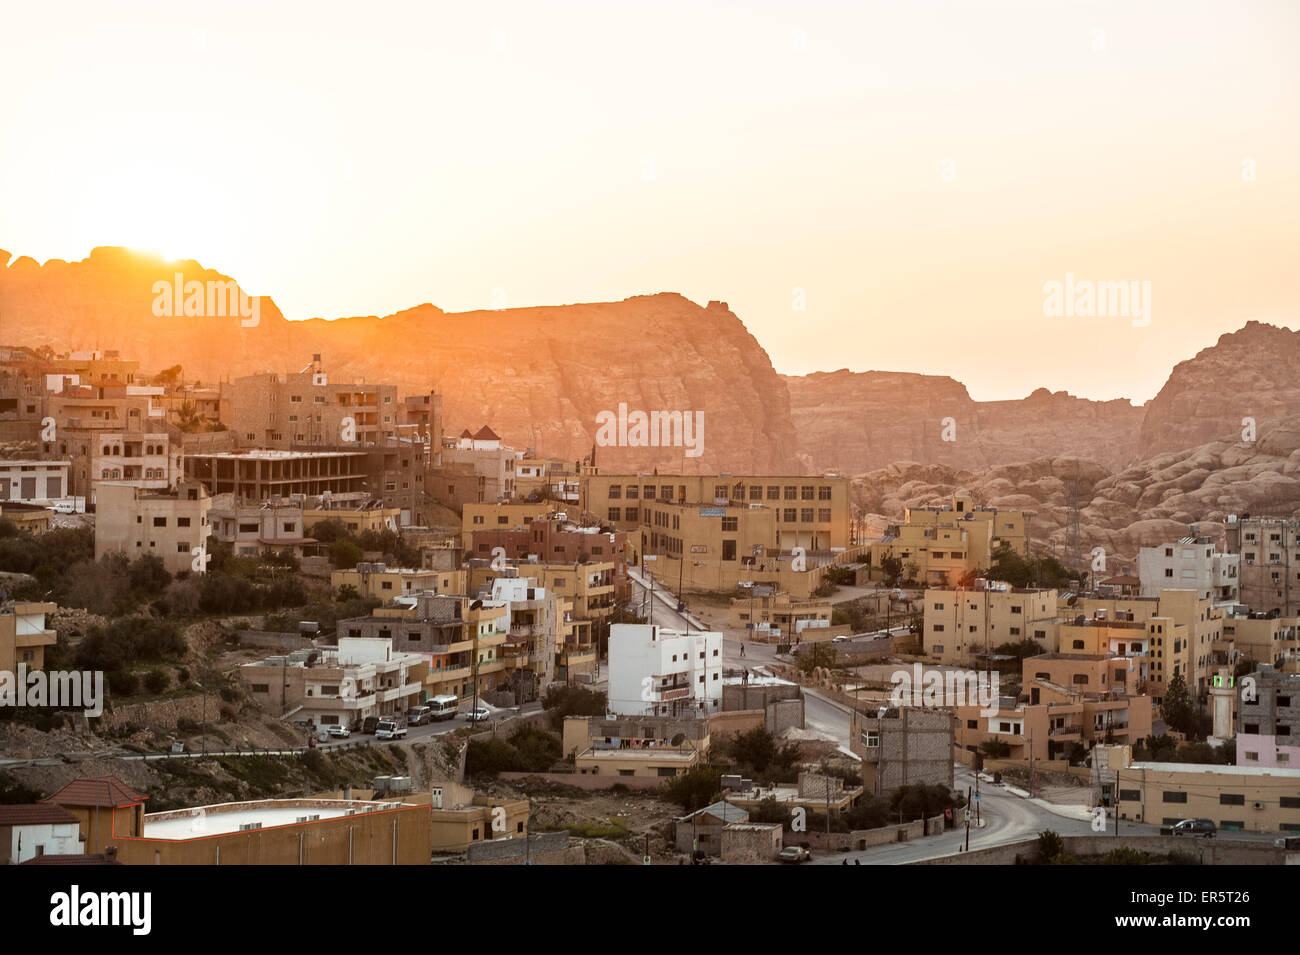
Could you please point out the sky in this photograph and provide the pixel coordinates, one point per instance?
(869, 185)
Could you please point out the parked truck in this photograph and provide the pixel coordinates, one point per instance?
(389, 729)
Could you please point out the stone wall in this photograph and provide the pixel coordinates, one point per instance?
(160, 714)
(588, 782)
(1210, 851)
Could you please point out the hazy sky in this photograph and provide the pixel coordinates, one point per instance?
(918, 169)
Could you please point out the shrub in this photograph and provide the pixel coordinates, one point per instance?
(157, 680)
(122, 683)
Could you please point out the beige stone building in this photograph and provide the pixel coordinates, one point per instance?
(311, 408)
(24, 636)
(944, 543)
(812, 512)
(171, 524)
(964, 623)
(1245, 798)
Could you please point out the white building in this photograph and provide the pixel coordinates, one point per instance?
(658, 672)
(1190, 564)
(38, 829)
(34, 482)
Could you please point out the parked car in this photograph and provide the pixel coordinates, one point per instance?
(370, 724)
(478, 715)
(339, 732)
(1194, 827)
(1287, 842)
(64, 507)
(794, 854)
(418, 715)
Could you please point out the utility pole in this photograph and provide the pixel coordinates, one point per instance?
(968, 800)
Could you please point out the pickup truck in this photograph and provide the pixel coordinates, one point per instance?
(388, 729)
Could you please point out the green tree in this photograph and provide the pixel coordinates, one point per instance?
(694, 789)
(1177, 708)
(562, 700)
(344, 554)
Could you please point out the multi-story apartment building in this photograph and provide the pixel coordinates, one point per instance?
(252, 529)
(966, 622)
(591, 592)
(547, 478)
(814, 513)
(903, 746)
(1268, 719)
(1059, 714)
(460, 638)
(370, 579)
(553, 540)
(944, 543)
(263, 475)
(24, 636)
(1183, 643)
(338, 686)
(172, 524)
(1190, 564)
(537, 626)
(356, 512)
(483, 454)
(419, 418)
(488, 516)
(1262, 637)
(110, 428)
(307, 408)
(658, 672)
(1269, 549)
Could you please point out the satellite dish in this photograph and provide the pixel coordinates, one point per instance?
(679, 739)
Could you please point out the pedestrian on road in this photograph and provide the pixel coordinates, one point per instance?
(742, 649)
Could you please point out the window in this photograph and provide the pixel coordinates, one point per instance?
(1130, 795)
(807, 493)
(938, 628)
(1290, 802)
(648, 492)
(773, 493)
(806, 515)
(823, 515)
(1167, 796)
(633, 492)
(824, 493)
(790, 513)
(616, 513)
(719, 491)
(731, 524)
(972, 724)
(160, 522)
(616, 492)
(1232, 799)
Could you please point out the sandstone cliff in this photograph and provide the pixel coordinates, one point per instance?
(1150, 502)
(856, 422)
(1253, 372)
(538, 376)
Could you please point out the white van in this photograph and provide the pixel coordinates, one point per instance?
(443, 707)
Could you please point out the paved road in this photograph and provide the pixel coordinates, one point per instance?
(1007, 819)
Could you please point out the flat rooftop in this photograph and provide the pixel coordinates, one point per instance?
(1271, 771)
(183, 824)
(268, 454)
